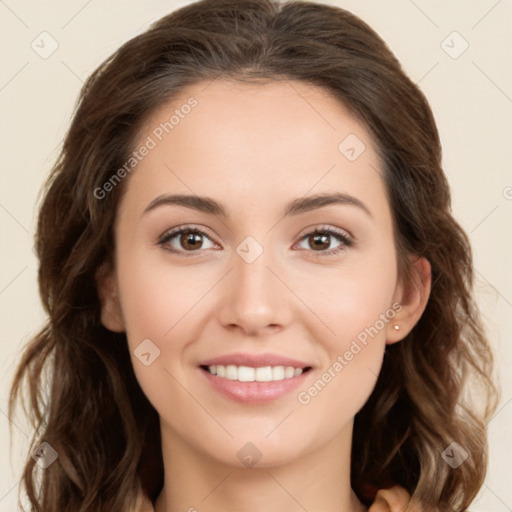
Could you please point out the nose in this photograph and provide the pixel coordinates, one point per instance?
(256, 300)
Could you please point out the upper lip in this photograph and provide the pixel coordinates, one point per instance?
(254, 360)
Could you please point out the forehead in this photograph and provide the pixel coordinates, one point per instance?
(252, 141)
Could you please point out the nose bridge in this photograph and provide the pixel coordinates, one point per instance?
(254, 279)
(256, 295)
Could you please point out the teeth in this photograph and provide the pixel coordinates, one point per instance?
(263, 374)
(278, 372)
(250, 374)
(231, 372)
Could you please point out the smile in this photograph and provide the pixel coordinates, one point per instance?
(254, 385)
(254, 374)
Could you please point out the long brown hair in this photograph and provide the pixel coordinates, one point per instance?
(83, 397)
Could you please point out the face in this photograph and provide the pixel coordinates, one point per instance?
(265, 274)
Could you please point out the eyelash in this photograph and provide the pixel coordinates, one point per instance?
(340, 236)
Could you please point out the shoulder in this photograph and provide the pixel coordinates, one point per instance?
(394, 499)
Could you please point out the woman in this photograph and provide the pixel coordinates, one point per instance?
(208, 347)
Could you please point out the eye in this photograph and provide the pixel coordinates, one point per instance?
(189, 239)
(321, 238)
(184, 239)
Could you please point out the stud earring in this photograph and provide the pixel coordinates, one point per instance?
(397, 327)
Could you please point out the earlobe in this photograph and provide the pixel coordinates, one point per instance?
(111, 316)
(413, 297)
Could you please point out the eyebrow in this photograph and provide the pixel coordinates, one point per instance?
(295, 207)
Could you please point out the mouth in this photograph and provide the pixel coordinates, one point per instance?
(255, 374)
(254, 385)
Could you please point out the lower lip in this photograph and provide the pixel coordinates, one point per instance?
(254, 392)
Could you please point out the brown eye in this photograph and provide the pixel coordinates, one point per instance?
(318, 241)
(190, 240)
(184, 240)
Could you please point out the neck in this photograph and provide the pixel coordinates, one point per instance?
(317, 482)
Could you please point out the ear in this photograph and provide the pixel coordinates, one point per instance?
(413, 297)
(106, 285)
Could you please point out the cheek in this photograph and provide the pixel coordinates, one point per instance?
(349, 298)
(355, 306)
(157, 303)
(155, 297)
(154, 301)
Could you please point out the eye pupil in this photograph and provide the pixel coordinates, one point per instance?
(192, 240)
(324, 240)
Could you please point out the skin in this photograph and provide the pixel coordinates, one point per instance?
(254, 148)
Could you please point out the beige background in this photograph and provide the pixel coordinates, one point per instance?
(471, 97)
